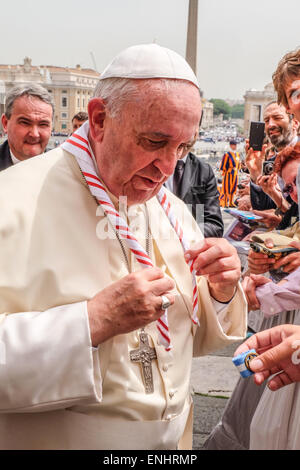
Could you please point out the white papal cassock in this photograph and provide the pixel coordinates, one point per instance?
(56, 391)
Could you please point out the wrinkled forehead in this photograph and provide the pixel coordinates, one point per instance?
(28, 104)
(166, 97)
(275, 109)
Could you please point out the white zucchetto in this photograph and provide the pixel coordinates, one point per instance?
(149, 61)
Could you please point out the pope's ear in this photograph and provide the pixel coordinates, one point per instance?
(97, 115)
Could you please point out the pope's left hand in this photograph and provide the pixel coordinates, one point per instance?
(218, 260)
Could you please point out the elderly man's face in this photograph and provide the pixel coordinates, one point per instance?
(139, 151)
(278, 126)
(29, 127)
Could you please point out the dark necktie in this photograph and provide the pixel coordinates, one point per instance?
(177, 178)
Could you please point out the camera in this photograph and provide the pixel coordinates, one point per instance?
(268, 168)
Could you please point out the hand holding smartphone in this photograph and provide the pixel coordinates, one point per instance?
(257, 135)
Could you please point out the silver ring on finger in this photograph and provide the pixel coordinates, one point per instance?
(165, 302)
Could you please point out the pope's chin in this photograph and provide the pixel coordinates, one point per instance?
(142, 189)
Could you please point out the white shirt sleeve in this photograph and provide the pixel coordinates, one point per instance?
(47, 361)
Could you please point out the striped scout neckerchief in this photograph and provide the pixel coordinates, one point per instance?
(78, 145)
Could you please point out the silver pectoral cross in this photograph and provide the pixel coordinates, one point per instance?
(145, 354)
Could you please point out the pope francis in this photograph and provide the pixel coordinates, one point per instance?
(107, 288)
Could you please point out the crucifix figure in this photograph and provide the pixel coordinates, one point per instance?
(145, 354)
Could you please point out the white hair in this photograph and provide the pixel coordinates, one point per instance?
(118, 91)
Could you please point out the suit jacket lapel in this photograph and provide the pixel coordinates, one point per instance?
(188, 178)
(5, 158)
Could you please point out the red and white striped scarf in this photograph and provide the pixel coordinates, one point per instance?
(78, 145)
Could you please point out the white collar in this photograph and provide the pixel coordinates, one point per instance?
(14, 159)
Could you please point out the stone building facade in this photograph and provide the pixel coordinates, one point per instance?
(255, 102)
(71, 88)
(208, 114)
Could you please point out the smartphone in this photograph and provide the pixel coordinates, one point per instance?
(257, 135)
(272, 252)
(240, 186)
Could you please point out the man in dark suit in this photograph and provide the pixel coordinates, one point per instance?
(5, 158)
(27, 122)
(195, 184)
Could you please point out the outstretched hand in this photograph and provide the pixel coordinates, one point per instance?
(279, 353)
(249, 284)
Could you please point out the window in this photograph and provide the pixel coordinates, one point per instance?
(64, 101)
(64, 115)
(64, 125)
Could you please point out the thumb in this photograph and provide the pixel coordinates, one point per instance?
(197, 248)
(269, 243)
(259, 279)
(271, 358)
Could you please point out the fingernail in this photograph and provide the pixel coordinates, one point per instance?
(256, 364)
(187, 256)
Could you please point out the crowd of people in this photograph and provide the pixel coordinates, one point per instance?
(96, 350)
(253, 416)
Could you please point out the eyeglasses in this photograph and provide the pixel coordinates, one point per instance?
(289, 188)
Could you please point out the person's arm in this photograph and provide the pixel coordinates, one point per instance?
(269, 218)
(288, 216)
(269, 185)
(259, 200)
(279, 353)
(254, 161)
(47, 361)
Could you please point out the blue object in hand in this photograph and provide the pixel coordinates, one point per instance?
(242, 362)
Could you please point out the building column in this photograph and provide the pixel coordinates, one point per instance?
(192, 31)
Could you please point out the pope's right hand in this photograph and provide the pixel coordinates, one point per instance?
(128, 304)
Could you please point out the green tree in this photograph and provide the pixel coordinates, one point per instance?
(237, 111)
(221, 107)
